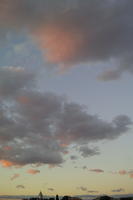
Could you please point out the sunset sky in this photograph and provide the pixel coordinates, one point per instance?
(66, 100)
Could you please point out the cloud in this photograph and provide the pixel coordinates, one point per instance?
(51, 189)
(33, 171)
(82, 188)
(110, 75)
(131, 175)
(92, 191)
(13, 79)
(73, 157)
(97, 170)
(14, 176)
(6, 163)
(20, 187)
(40, 127)
(84, 167)
(126, 172)
(118, 190)
(86, 151)
(74, 32)
(123, 172)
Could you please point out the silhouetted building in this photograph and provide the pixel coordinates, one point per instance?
(40, 195)
(104, 198)
(126, 198)
(70, 198)
(57, 197)
(66, 198)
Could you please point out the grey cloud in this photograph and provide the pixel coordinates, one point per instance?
(38, 128)
(73, 157)
(84, 167)
(86, 151)
(86, 190)
(118, 190)
(83, 188)
(97, 170)
(52, 123)
(20, 187)
(110, 75)
(51, 189)
(12, 79)
(93, 31)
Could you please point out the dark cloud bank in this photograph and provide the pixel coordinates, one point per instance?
(38, 128)
(76, 31)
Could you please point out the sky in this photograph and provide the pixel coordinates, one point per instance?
(66, 117)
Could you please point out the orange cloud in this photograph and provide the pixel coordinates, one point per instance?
(61, 45)
(6, 163)
(33, 171)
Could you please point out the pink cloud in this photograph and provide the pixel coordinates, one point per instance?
(33, 171)
(123, 172)
(131, 175)
(126, 172)
(7, 148)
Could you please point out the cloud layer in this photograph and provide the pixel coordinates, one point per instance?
(39, 128)
(79, 31)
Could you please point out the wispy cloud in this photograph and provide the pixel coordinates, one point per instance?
(97, 170)
(85, 189)
(51, 189)
(123, 173)
(33, 171)
(20, 187)
(73, 157)
(118, 190)
(92, 191)
(84, 167)
(82, 188)
(14, 176)
(126, 172)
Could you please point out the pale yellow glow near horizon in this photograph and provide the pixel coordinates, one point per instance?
(64, 182)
